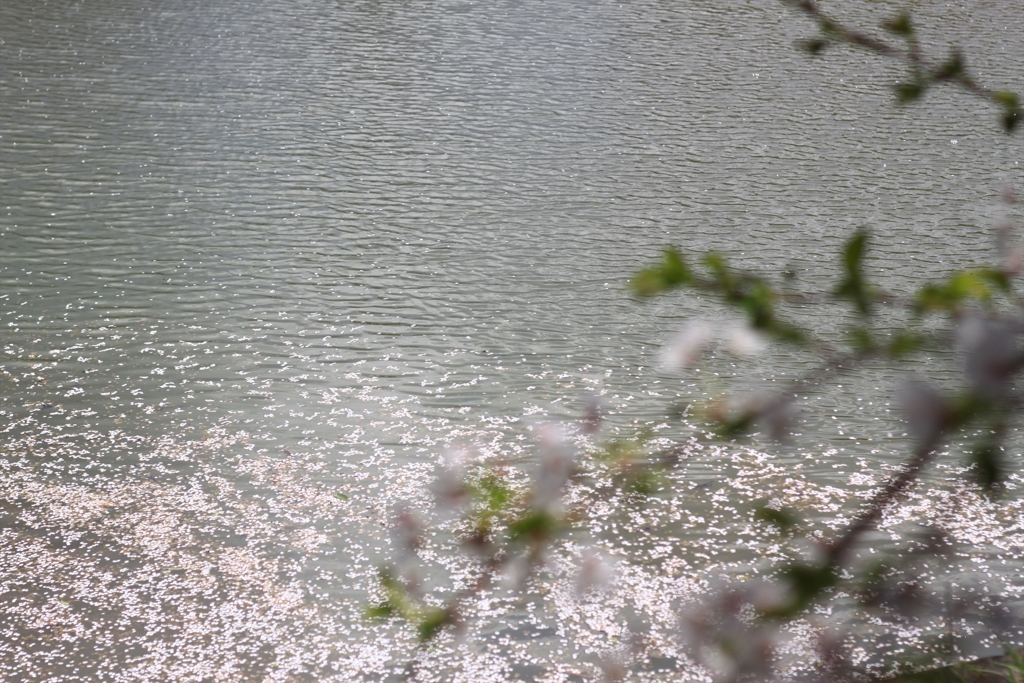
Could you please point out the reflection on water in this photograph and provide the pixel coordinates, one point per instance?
(256, 255)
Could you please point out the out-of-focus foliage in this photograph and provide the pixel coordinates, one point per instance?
(922, 73)
(508, 521)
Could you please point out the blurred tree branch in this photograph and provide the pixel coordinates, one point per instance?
(923, 72)
(509, 529)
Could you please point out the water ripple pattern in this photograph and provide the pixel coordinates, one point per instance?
(254, 255)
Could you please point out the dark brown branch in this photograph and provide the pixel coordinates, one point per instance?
(869, 516)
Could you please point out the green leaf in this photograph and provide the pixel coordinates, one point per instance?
(758, 304)
(809, 581)
(788, 333)
(861, 339)
(1011, 104)
(492, 491)
(1006, 98)
(968, 285)
(900, 25)
(396, 602)
(646, 481)
(853, 252)
(648, 282)
(1010, 120)
(996, 277)
(720, 270)
(384, 610)
(537, 525)
(728, 429)
(670, 273)
(728, 423)
(341, 496)
(432, 622)
(751, 294)
(904, 343)
(674, 267)
(908, 92)
(951, 69)
(829, 27)
(853, 287)
(623, 452)
(491, 498)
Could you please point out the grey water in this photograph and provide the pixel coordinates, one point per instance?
(263, 264)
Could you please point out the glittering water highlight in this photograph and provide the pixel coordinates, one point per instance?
(256, 256)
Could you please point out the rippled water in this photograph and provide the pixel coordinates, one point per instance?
(255, 255)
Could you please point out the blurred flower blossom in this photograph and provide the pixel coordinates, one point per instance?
(723, 635)
(992, 354)
(683, 350)
(1008, 249)
(1013, 261)
(449, 487)
(926, 410)
(743, 340)
(555, 467)
(516, 571)
(594, 574)
(776, 413)
(778, 417)
(405, 530)
(407, 539)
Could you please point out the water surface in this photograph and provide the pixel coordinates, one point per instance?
(255, 255)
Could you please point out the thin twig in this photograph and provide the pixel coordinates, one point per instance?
(913, 56)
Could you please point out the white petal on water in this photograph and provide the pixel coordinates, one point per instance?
(200, 572)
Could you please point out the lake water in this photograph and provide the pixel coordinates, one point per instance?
(254, 255)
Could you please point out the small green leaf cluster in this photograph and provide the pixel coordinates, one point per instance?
(854, 285)
(969, 286)
(632, 466)
(671, 272)
(748, 293)
(402, 602)
(500, 522)
(982, 309)
(1007, 669)
(505, 523)
(752, 294)
(922, 74)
